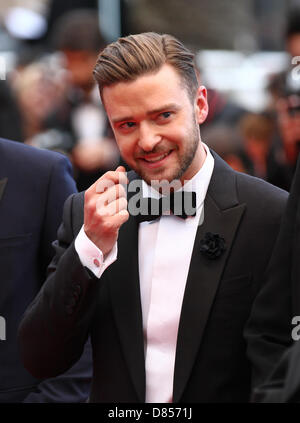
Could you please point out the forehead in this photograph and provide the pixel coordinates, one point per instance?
(146, 92)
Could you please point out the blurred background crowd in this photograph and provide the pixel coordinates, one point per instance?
(247, 54)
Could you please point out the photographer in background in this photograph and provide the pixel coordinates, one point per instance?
(284, 89)
(77, 36)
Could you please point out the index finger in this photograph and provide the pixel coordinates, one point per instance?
(109, 179)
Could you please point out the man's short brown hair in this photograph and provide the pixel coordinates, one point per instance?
(139, 54)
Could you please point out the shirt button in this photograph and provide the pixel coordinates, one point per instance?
(96, 263)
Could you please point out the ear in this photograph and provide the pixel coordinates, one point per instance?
(201, 106)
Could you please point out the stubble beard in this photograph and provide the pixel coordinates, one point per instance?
(184, 161)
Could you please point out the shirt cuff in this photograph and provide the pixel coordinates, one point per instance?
(91, 256)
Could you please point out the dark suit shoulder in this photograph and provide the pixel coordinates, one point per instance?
(229, 188)
(78, 205)
(15, 155)
(73, 214)
(260, 195)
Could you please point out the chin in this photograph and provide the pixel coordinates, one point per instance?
(159, 177)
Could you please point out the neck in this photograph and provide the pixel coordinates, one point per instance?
(196, 164)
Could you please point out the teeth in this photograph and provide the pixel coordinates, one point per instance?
(156, 159)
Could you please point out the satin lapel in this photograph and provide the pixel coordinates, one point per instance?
(3, 183)
(204, 275)
(125, 297)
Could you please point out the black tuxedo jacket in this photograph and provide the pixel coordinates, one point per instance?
(269, 330)
(34, 185)
(211, 363)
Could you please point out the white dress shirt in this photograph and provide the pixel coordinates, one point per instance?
(163, 271)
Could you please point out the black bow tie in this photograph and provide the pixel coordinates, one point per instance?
(181, 204)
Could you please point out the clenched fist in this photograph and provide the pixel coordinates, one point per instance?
(105, 209)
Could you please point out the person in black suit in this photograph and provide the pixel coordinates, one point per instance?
(33, 187)
(273, 328)
(166, 297)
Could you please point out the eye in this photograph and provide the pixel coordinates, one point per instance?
(127, 125)
(164, 116)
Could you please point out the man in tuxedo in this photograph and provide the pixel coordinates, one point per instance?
(164, 297)
(34, 185)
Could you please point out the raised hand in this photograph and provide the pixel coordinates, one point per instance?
(105, 209)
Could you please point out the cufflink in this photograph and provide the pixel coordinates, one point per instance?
(96, 263)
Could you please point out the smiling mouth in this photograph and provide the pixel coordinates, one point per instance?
(156, 159)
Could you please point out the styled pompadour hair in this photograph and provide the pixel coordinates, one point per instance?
(130, 57)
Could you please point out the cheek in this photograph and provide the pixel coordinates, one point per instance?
(173, 132)
(184, 126)
(126, 148)
(178, 135)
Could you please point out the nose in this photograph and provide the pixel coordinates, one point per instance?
(148, 137)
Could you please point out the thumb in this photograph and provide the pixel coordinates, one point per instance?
(120, 169)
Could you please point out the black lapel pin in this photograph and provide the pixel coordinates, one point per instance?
(212, 246)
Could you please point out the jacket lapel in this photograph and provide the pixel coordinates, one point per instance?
(222, 214)
(3, 183)
(125, 296)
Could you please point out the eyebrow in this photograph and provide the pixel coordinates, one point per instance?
(171, 106)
